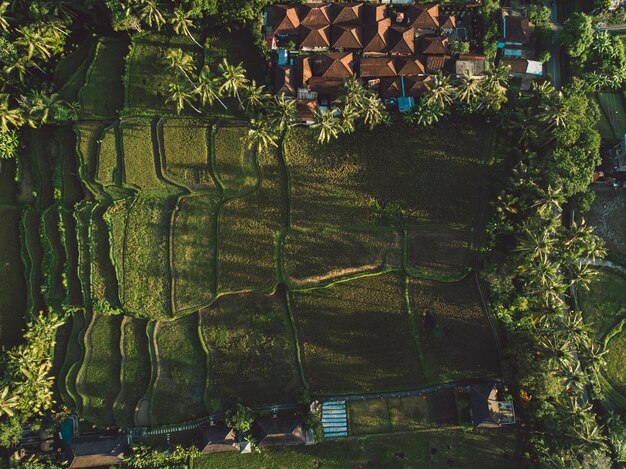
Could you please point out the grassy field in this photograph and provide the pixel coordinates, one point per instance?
(194, 251)
(437, 251)
(108, 171)
(140, 163)
(135, 370)
(605, 301)
(251, 349)
(612, 124)
(53, 260)
(252, 221)
(315, 257)
(432, 174)
(13, 290)
(71, 71)
(178, 393)
(74, 294)
(146, 267)
(98, 380)
(32, 253)
(87, 135)
(356, 337)
(450, 313)
(103, 280)
(616, 362)
(427, 448)
(234, 163)
(147, 76)
(103, 92)
(184, 151)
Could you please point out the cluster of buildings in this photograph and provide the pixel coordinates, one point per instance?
(395, 51)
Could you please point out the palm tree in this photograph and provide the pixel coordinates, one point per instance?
(536, 242)
(329, 125)
(180, 63)
(183, 24)
(426, 114)
(549, 202)
(575, 378)
(207, 88)
(181, 96)
(284, 113)
(602, 44)
(494, 87)
(356, 95)
(260, 136)
(40, 106)
(234, 79)
(441, 93)
(36, 43)
(589, 433)
(4, 20)
(8, 402)
(8, 115)
(468, 89)
(255, 97)
(149, 11)
(557, 351)
(373, 111)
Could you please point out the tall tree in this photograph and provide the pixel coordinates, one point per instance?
(234, 79)
(180, 63)
(207, 88)
(182, 23)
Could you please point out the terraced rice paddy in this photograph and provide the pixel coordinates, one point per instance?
(229, 275)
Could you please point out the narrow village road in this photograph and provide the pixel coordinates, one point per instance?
(554, 64)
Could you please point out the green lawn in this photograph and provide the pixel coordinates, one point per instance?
(616, 362)
(426, 448)
(194, 251)
(135, 370)
(98, 380)
(252, 351)
(613, 118)
(356, 337)
(605, 301)
(178, 393)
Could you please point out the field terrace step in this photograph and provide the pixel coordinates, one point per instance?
(334, 419)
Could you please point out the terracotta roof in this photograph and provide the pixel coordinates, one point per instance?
(378, 67)
(516, 29)
(346, 36)
(306, 108)
(285, 81)
(218, 438)
(390, 87)
(373, 13)
(375, 36)
(331, 65)
(437, 62)
(315, 14)
(401, 40)
(516, 65)
(424, 16)
(286, 19)
(447, 22)
(416, 86)
(97, 451)
(434, 45)
(351, 13)
(314, 37)
(327, 86)
(278, 431)
(410, 66)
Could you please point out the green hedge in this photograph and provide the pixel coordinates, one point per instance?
(32, 254)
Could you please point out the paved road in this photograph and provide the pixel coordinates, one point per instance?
(554, 65)
(616, 28)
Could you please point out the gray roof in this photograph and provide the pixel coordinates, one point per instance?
(95, 451)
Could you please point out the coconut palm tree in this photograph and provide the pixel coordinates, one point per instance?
(234, 79)
(4, 19)
(426, 114)
(180, 63)
(468, 90)
(557, 351)
(329, 125)
(37, 44)
(260, 136)
(602, 44)
(40, 106)
(255, 97)
(356, 95)
(180, 95)
(183, 24)
(150, 12)
(9, 143)
(589, 433)
(575, 378)
(8, 115)
(8, 402)
(549, 202)
(536, 242)
(208, 88)
(441, 92)
(284, 113)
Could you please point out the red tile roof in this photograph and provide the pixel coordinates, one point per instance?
(416, 86)
(390, 87)
(424, 16)
(410, 66)
(378, 67)
(346, 36)
(315, 14)
(434, 45)
(286, 19)
(373, 13)
(375, 36)
(447, 22)
(284, 82)
(314, 37)
(331, 65)
(348, 13)
(401, 40)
